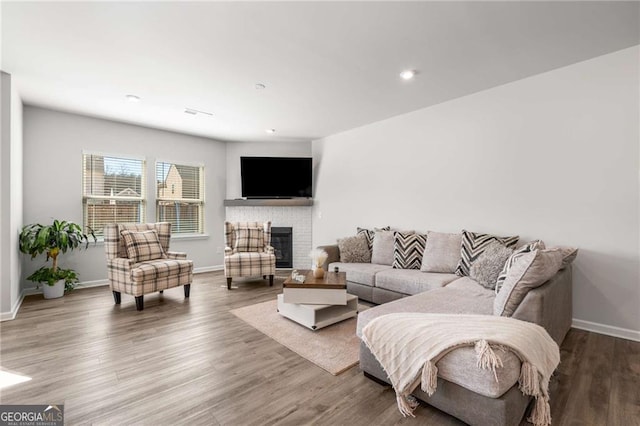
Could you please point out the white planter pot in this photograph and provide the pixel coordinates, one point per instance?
(53, 291)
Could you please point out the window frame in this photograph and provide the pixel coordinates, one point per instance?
(201, 202)
(86, 198)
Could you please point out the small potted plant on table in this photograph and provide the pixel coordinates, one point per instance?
(53, 239)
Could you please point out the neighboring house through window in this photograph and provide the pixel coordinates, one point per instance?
(113, 190)
(180, 197)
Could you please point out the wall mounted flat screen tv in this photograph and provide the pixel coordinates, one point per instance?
(276, 177)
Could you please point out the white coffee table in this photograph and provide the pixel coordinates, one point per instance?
(318, 316)
(318, 302)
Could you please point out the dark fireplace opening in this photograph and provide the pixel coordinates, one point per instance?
(282, 242)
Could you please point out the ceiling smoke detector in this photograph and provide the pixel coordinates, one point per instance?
(260, 86)
(132, 98)
(270, 130)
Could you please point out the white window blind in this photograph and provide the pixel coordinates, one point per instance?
(113, 190)
(180, 197)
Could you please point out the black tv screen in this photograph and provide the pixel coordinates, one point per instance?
(276, 177)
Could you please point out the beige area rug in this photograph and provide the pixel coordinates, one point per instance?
(334, 348)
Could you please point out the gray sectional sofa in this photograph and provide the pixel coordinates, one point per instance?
(471, 394)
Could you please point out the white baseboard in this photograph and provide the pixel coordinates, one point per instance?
(8, 316)
(89, 284)
(609, 330)
(204, 269)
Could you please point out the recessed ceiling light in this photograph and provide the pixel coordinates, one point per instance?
(270, 130)
(408, 74)
(260, 86)
(133, 98)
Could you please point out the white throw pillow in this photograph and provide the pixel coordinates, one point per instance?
(383, 247)
(441, 253)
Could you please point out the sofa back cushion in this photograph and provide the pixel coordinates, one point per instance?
(529, 247)
(530, 270)
(441, 252)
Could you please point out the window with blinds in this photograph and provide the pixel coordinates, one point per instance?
(180, 197)
(113, 190)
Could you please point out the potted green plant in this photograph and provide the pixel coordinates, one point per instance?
(53, 239)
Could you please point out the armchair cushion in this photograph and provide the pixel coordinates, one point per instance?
(143, 245)
(152, 270)
(249, 240)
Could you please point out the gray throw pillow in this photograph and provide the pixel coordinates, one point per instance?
(354, 249)
(383, 248)
(487, 267)
(529, 271)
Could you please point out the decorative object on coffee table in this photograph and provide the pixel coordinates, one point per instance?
(318, 256)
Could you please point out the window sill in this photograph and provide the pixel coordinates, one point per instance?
(100, 241)
(189, 236)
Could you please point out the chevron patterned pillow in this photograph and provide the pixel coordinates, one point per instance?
(529, 247)
(474, 244)
(408, 249)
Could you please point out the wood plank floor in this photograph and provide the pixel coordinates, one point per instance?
(192, 362)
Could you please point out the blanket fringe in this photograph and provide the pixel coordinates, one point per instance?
(530, 385)
(487, 358)
(429, 378)
(406, 405)
(541, 412)
(529, 380)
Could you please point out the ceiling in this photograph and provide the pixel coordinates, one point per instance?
(327, 66)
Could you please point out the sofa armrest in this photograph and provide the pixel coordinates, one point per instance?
(550, 305)
(120, 264)
(176, 255)
(334, 255)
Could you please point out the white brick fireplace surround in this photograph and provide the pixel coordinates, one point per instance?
(297, 217)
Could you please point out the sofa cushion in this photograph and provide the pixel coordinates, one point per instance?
(529, 271)
(412, 281)
(530, 246)
(382, 251)
(458, 366)
(361, 273)
(486, 269)
(474, 244)
(408, 249)
(441, 252)
(142, 245)
(354, 249)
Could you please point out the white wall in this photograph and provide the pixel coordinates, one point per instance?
(53, 146)
(554, 156)
(11, 201)
(235, 150)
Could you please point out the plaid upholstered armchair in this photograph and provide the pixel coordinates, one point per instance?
(139, 261)
(248, 252)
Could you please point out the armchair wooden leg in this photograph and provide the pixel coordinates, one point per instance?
(264, 277)
(161, 291)
(139, 303)
(229, 283)
(187, 290)
(116, 297)
(270, 280)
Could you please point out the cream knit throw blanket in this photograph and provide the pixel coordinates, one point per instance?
(408, 346)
